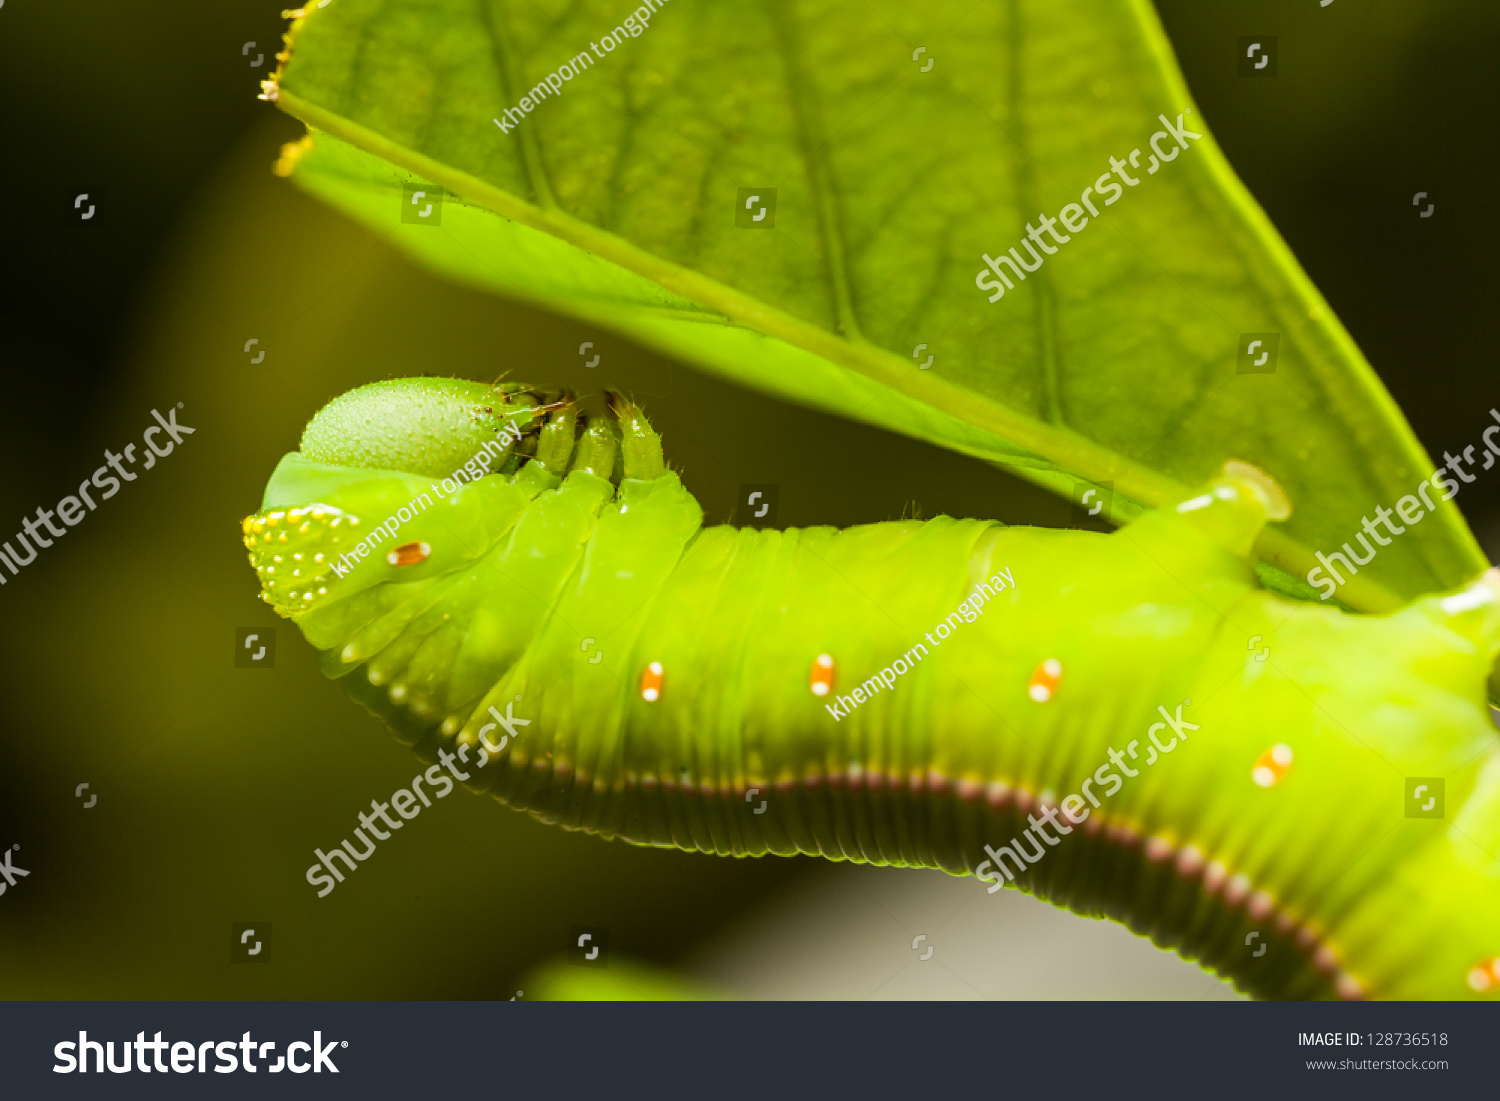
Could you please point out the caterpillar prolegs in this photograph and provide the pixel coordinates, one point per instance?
(1126, 725)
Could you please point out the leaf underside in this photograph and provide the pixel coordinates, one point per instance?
(1115, 363)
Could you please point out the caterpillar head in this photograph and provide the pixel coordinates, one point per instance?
(425, 426)
(356, 505)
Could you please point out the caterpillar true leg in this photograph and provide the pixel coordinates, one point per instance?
(597, 449)
(642, 446)
(1127, 725)
(555, 441)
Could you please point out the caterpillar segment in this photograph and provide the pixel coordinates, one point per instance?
(1126, 725)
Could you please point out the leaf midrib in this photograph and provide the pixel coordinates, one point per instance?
(868, 359)
(1059, 445)
(1055, 442)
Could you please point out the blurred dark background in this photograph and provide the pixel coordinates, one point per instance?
(115, 664)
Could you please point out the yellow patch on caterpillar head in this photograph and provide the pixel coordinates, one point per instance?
(293, 552)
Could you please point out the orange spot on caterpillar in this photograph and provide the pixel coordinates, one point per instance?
(1272, 765)
(1044, 680)
(651, 682)
(1485, 976)
(820, 680)
(409, 554)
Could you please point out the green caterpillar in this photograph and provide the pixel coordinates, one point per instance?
(1126, 725)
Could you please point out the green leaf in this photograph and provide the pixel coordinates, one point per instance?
(1115, 362)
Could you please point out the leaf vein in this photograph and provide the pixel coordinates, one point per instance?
(806, 110)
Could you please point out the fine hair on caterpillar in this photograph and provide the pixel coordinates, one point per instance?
(712, 659)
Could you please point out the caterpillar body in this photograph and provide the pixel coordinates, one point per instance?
(1126, 725)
